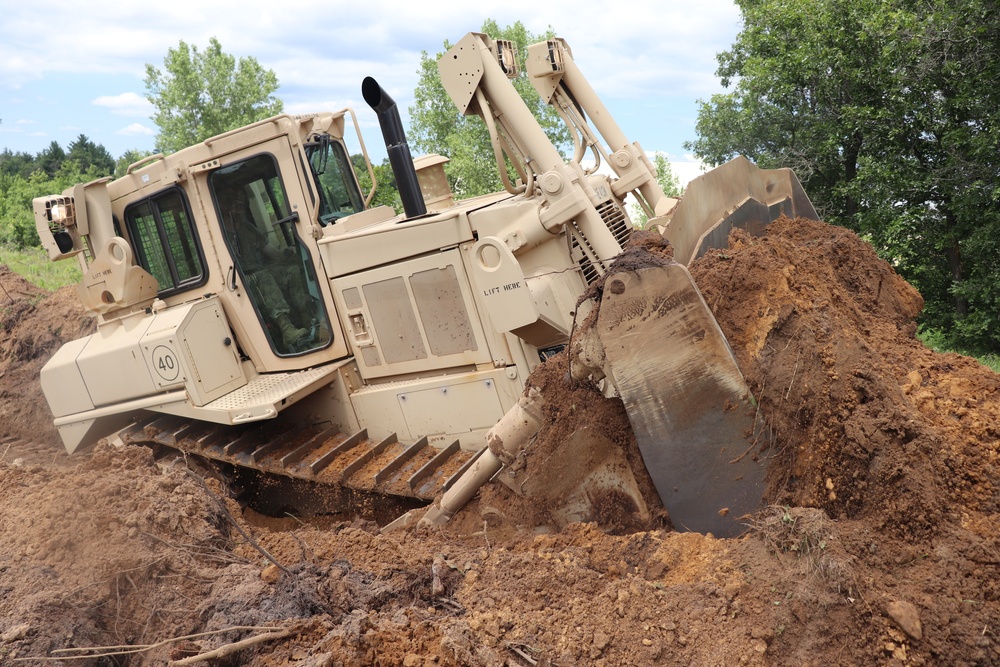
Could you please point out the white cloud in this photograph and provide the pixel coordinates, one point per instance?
(640, 44)
(687, 170)
(136, 130)
(125, 104)
(646, 58)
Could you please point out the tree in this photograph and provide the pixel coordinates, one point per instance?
(127, 159)
(21, 163)
(50, 159)
(202, 94)
(889, 112)
(85, 153)
(436, 126)
(386, 192)
(17, 220)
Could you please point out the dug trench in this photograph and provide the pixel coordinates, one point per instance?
(879, 542)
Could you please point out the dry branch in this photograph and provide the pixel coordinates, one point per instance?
(228, 649)
(222, 506)
(126, 649)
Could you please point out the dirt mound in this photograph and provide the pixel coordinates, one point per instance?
(569, 406)
(872, 424)
(33, 325)
(880, 546)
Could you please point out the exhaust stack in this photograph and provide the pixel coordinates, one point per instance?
(396, 146)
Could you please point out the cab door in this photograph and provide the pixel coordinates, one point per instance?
(277, 298)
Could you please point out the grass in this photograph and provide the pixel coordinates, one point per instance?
(938, 342)
(33, 265)
(990, 361)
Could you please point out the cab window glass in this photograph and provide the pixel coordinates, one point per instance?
(274, 266)
(165, 242)
(338, 190)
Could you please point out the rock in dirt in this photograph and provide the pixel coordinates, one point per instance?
(15, 633)
(907, 617)
(271, 574)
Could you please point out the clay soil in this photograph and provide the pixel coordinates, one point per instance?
(879, 542)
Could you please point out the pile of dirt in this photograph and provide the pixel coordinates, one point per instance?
(33, 325)
(873, 425)
(879, 545)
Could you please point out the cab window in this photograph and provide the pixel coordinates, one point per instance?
(259, 228)
(165, 242)
(338, 190)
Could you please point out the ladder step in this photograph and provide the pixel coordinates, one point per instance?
(428, 468)
(169, 437)
(300, 452)
(245, 440)
(272, 445)
(158, 425)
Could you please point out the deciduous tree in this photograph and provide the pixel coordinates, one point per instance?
(668, 181)
(204, 93)
(889, 112)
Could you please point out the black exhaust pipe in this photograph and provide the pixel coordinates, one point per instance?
(395, 144)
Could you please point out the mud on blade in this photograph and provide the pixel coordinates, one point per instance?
(693, 416)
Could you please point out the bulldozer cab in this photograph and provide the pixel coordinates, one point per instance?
(269, 258)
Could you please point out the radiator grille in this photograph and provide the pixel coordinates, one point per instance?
(582, 253)
(614, 218)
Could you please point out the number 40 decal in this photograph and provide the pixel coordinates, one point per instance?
(165, 363)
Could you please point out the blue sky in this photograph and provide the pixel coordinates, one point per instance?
(69, 68)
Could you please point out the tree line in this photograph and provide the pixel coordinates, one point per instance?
(24, 176)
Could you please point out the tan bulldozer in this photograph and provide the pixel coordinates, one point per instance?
(253, 310)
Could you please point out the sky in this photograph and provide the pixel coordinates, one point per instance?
(69, 67)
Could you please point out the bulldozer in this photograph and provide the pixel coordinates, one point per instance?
(253, 309)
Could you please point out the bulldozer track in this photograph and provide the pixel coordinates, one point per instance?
(315, 453)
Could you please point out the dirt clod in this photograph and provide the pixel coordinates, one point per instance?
(906, 617)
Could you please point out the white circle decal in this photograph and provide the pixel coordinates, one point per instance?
(165, 363)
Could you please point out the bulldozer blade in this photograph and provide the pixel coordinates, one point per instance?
(736, 194)
(702, 440)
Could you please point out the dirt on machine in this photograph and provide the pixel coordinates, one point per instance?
(254, 310)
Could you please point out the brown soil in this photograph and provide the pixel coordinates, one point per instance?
(881, 544)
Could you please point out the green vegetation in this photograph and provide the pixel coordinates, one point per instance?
(668, 181)
(386, 193)
(204, 93)
(940, 342)
(23, 177)
(199, 95)
(889, 112)
(34, 265)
